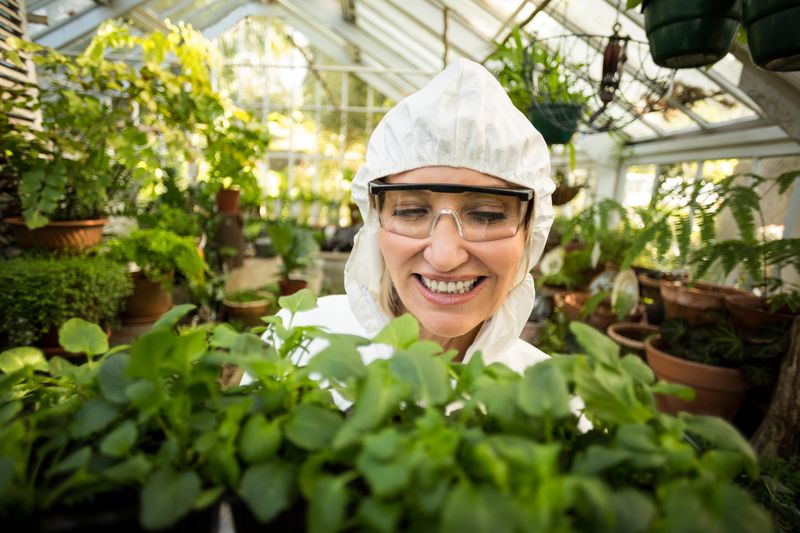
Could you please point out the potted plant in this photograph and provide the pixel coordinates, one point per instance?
(295, 246)
(154, 257)
(541, 85)
(42, 292)
(770, 37)
(73, 167)
(760, 256)
(718, 360)
(631, 336)
(247, 306)
(689, 34)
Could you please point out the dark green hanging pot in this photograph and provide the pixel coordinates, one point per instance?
(690, 33)
(773, 33)
(557, 122)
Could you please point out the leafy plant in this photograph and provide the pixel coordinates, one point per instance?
(42, 292)
(761, 258)
(109, 126)
(778, 489)
(576, 267)
(427, 445)
(160, 254)
(295, 245)
(606, 224)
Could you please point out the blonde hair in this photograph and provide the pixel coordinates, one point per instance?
(388, 299)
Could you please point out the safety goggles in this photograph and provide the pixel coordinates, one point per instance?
(479, 213)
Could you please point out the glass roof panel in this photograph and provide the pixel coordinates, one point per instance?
(58, 13)
(417, 42)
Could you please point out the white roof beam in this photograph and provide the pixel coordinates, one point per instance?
(74, 28)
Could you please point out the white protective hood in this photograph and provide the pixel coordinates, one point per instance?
(461, 118)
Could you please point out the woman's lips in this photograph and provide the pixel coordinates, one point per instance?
(440, 298)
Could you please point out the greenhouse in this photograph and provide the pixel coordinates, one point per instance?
(384, 265)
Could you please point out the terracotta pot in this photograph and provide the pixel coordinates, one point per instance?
(752, 313)
(291, 286)
(248, 313)
(695, 304)
(718, 390)
(148, 301)
(531, 331)
(60, 235)
(631, 335)
(228, 200)
(602, 317)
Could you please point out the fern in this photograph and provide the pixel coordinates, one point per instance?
(786, 180)
(743, 202)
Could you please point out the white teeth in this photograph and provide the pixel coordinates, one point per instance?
(449, 287)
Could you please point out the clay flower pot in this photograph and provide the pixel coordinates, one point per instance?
(602, 317)
(291, 286)
(696, 304)
(60, 235)
(718, 390)
(248, 313)
(228, 200)
(752, 313)
(631, 335)
(650, 287)
(148, 301)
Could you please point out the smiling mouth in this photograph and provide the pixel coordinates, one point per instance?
(450, 287)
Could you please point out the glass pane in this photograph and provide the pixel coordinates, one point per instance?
(639, 181)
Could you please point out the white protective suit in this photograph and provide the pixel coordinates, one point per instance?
(461, 118)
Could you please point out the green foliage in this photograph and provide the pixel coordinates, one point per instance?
(295, 245)
(723, 344)
(160, 254)
(574, 272)
(110, 128)
(778, 490)
(427, 446)
(41, 293)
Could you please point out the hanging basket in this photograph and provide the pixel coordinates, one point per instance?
(558, 131)
(772, 34)
(565, 193)
(690, 34)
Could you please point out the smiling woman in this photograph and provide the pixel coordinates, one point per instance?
(455, 197)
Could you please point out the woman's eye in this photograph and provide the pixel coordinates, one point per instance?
(410, 213)
(487, 217)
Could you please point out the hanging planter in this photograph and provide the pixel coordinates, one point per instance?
(772, 33)
(689, 34)
(60, 235)
(559, 132)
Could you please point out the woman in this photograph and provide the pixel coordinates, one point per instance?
(455, 198)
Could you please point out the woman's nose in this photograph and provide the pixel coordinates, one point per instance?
(445, 250)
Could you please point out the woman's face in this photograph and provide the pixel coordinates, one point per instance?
(485, 269)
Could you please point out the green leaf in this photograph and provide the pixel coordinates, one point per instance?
(7, 468)
(119, 442)
(9, 411)
(609, 396)
(478, 509)
(722, 435)
(134, 469)
(80, 336)
(595, 344)
(597, 459)
(169, 319)
(340, 361)
(378, 397)
(683, 392)
(633, 510)
(327, 505)
(378, 515)
(73, 461)
(112, 378)
(268, 489)
(19, 358)
(302, 300)
(425, 375)
(93, 416)
(312, 427)
(543, 391)
(259, 439)
(638, 369)
(223, 336)
(167, 497)
(400, 333)
(149, 353)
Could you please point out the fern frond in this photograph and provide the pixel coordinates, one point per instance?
(786, 179)
(743, 202)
